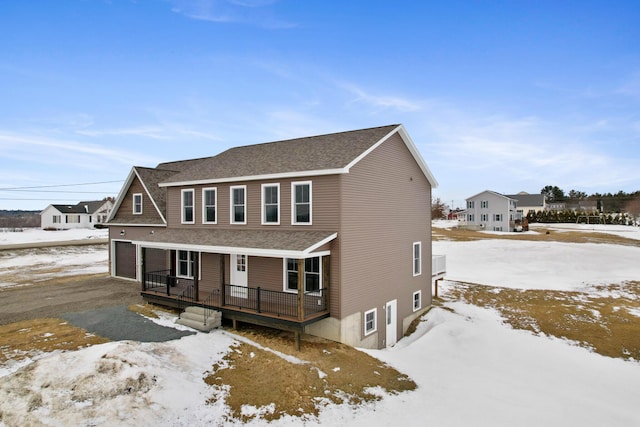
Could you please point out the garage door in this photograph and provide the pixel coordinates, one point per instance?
(126, 260)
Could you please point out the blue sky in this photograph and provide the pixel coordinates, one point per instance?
(503, 95)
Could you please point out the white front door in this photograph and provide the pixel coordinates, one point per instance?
(239, 275)
(391, 319)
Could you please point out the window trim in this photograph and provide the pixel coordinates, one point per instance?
(375, 322)
(183, 206)
(231, 206)
(418, 271)
(134, 204)
(293, 202)
(190, 264)
(204, 205)
(285, 277)
(413, 301)
(263, 213)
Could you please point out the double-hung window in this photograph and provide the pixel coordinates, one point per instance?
(137, 204)
(271, 204)
(311, 274)
(484, 217)
(484, 204)
(470, 204)
(185, 263)
(188, 206)
(301, 206)
(497, 217)
(370, 321)
(209, 204)
(417, 258)
(238, 204)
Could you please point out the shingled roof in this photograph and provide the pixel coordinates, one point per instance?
(314, 153)
(89, 207)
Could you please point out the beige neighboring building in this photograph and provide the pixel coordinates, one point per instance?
(328, 235)
(529, 202)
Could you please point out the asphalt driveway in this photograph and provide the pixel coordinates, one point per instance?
(119, 323)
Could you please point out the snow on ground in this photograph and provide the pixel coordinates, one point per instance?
(539, 265)
(30, 235)
(471, 368)
(22, 267)
(629, 232)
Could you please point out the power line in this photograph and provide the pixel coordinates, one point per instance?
(57, 191)
(46, 200)
(59, 185)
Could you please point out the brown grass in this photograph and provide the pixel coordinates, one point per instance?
(331, 372)
(28, 338)
(600, 320)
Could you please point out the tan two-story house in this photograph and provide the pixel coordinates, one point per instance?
(328, 235)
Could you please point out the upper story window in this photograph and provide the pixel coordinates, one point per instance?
(271, 204)
(484, 204)
(301, 206)
(137, 204)
(239, 204)
(209, 204)
(497, 217)
(471, 217)
(470, 204)
(187, 206)
(417, 258)
(484, 217)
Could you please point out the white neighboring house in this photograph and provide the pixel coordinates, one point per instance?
(81, 215)
(492, 211)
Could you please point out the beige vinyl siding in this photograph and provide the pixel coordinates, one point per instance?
(266, 273)
(156, 259)
(125, 211)
(210, 274)
(383, 214)
(325, 204)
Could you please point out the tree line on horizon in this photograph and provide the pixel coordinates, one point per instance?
(607, 202)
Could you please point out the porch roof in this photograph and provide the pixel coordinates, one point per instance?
(270, 243)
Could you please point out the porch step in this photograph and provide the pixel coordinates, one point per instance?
(193, 317)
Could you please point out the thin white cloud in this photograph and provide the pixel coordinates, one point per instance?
(472, 152)
(161, 133)
(380, 102)
(45, 150)
(250, 12)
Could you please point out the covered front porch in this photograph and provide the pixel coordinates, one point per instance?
(285, 288)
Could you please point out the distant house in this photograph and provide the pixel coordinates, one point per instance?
(529, 202)
(492, 211)
(327, 235)
(81, 215)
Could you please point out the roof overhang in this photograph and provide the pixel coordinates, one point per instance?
(264, 243)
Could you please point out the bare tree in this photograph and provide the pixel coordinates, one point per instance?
(633, 209)
(438, 209)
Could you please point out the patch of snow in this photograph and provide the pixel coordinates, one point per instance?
(31, 235)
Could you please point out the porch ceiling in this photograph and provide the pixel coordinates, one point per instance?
(275, 243)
